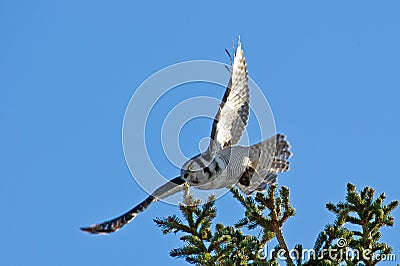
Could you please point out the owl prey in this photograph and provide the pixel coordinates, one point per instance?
(223, 164)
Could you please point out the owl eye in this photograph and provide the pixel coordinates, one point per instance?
(190, 168)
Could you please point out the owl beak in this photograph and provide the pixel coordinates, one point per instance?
(185, 174)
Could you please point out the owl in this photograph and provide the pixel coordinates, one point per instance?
(224, 163)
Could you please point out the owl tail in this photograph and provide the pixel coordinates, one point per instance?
(271, 155)
(267, 159)
(168, 189)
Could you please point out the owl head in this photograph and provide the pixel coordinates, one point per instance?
(196, 171)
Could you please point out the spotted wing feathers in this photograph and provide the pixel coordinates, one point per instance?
(168, 189)
(233, 113)
(116, 223)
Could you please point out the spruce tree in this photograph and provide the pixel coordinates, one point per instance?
(337, 244)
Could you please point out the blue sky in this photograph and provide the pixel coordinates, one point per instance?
(330, 72)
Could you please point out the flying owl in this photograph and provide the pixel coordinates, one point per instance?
(223, 164)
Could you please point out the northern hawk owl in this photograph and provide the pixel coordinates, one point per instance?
(223, 164)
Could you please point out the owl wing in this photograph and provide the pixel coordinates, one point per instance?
(168, 189)
(233, 112)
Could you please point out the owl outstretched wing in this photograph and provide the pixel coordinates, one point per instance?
(168, 189)
(233, 113)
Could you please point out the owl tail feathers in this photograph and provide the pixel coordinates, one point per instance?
(173, 186)
(271, 155)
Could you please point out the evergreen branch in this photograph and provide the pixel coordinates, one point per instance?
(228, 245)
(369, 214)
(274, 222)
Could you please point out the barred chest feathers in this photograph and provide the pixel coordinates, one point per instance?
(224, 170)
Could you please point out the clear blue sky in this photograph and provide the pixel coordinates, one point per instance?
(68, 69)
